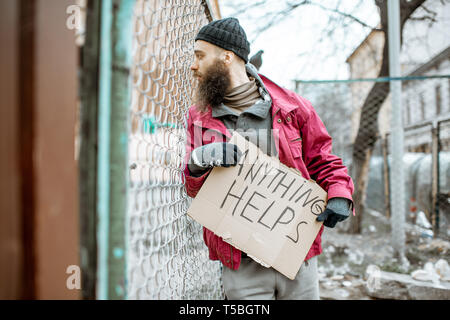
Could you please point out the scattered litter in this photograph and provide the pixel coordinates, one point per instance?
(422, 221)
(430, 273)
(349, 263)
(347, 283)
(330, 285)
(425, 233)
(442, 269)
(441, 246)
(376, 214)
(355, 256)
(343, 293)
(372, 271)
(422, 275)
(423, 226)
(331, 249)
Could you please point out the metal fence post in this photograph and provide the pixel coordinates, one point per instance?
(386, 176)
(112, 183)
(397, 178)
(88, 150)
(435, 177)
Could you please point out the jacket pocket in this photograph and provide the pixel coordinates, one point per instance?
(296, 148)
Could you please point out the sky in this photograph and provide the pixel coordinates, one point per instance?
(292, 49)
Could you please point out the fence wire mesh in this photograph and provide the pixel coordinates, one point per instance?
(357, 116)
(167, 258)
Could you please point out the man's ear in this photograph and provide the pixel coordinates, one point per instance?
(228, 57)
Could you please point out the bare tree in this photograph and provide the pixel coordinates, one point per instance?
(368, 124)
(339, 18)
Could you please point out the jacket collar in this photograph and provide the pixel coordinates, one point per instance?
(283, 99)
(253, 72)
(260, 109)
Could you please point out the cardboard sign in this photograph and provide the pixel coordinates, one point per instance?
(261, 207)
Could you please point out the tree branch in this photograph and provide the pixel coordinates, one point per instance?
(274, 18)
(248, 7)
(344, 14)
(424, 18)
(407, 7)
(278, 16)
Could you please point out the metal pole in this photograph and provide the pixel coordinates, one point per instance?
(208, 10)
(397, 177)
(88, 151)
(112, 181)
(386, 176)
(435, 177)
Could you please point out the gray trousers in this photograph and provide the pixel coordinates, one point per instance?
(252, 281)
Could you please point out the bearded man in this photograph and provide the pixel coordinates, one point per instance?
(232, 96)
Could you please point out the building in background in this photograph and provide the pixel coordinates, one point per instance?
(425, 52)
(428, 103)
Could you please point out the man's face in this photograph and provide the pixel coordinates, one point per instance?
(205, 54)
(212, 73)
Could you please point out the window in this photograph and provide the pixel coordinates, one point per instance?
(448, 96)
(408, 112)
(422, 106)
(438, 100)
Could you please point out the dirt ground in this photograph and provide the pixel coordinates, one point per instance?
(345, 257)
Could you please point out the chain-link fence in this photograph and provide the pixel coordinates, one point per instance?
(167, 258)
(357, 116)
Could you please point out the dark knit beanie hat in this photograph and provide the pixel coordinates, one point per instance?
(228, 34)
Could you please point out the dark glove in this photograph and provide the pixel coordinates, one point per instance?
(338, 209)
(216, 154)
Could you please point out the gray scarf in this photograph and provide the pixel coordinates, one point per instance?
(242, 97)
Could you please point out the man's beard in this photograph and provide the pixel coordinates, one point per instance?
(213, 86)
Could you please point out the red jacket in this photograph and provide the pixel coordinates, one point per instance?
(304, 144)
